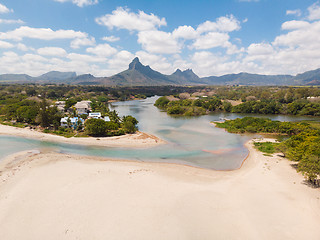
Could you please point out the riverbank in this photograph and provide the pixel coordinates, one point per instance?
(137, 140)
(60, 196)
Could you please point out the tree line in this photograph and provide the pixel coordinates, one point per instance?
(301, 144)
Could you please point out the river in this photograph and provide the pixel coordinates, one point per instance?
(191, 140)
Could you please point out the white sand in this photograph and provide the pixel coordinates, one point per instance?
(137, 140)
(55, 196)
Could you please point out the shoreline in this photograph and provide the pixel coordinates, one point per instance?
(264, 199)
(136, 140)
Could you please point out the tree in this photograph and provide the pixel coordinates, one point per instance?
(43, 116)
(129, 124)
(70, 102)
(69, 122)
(162, 102)
(96, 127)
(129, 118)
(227, 106)
(114, 117)
(47, 115)
(309, 166)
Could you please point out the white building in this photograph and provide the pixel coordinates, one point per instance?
(83, 107)
(95, 115)
(60, 105)
(73, 122)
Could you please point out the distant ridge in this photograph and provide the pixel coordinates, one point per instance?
(56, 76)
(138, 74)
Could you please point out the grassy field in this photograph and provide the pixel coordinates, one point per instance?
(266, 147)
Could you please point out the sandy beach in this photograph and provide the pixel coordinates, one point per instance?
(137, 140)
(57, 196)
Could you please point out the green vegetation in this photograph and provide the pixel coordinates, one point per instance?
(256, 100)
(262, 125)
(189, 107)
(267, 147)
(101, 128)
(34, 106)
(302, 144)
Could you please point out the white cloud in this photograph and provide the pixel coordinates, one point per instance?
(211, 40)
(11, 21)
(158, 62)
(314, 11)
(78, 42)
(296, 12)
(291, 25)
(307, 36)
(222, 24)
(205, 63)
(52, 51)
(22, 47)
(4, 9)
(104, 50)
(80, 3)
(111, 38)
(257, 49)
(158, 42)
(148, 58)
(33, 58)
(122, 18)
(4, 44)
(185, 32)
(119, 62)
(41, 33)
(76, 57)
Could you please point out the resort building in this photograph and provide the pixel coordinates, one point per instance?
(96, 115)
(83, 107)
(74, 122)
(60, 105)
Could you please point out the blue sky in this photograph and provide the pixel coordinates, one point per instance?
(212, 37)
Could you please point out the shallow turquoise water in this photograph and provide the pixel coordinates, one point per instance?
(192, 141)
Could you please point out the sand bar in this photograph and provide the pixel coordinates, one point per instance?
(137, 140)
(59, 196)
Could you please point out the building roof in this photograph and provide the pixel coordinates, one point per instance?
(60, 102)
(82, 104)
(73, 120)
(95, 114)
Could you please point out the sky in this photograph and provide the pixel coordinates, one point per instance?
(212, 37)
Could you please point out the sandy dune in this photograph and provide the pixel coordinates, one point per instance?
(55, 196)
(137, 140)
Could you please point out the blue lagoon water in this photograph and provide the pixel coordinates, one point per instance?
(192, 141)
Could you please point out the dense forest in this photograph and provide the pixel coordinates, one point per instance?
(256, 100)
(301, 144)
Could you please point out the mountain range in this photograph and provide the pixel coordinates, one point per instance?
(140, 75)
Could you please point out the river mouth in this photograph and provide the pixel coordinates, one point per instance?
(190, 141)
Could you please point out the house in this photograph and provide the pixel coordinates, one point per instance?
(60, 105)
(73, 122)
(96, 115)
(83, 107)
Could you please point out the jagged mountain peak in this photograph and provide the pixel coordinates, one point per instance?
(135, 64)
(178, 71)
